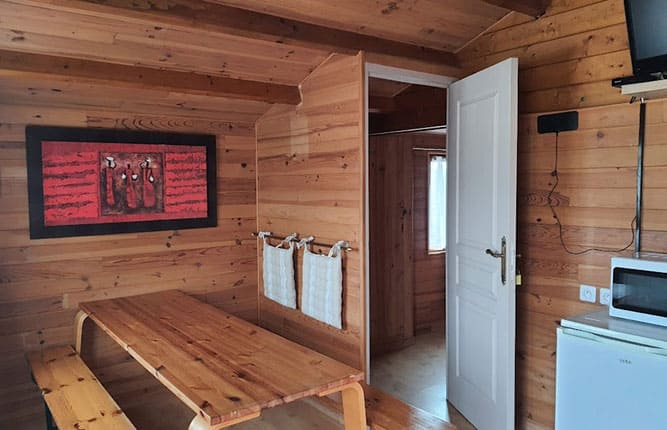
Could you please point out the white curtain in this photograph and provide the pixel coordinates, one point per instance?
(437, 204)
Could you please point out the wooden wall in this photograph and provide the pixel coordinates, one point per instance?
(407, 290)
(41, 281)
(567, 59)
(429, 268)
(391, 269)
(310, 181)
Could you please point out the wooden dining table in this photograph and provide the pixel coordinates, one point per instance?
(225, 369)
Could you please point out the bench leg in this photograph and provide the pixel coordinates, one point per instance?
(78, 326)
(354, 406)
(199, 423)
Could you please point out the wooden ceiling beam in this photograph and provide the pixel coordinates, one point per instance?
(253, 25)
(528, 7)
(22, 64)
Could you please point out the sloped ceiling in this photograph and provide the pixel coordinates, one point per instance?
(264, 46)
(439, 24)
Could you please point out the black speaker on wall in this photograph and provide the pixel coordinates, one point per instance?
(557, 122)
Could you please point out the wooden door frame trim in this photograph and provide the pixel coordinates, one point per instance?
(372, 70)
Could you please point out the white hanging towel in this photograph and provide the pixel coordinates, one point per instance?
(322, 296)
(278, 271)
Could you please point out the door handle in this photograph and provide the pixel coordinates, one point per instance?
(503, 259)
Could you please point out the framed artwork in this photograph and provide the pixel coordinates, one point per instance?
(84, 181)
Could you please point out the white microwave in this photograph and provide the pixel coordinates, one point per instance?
(639, 288)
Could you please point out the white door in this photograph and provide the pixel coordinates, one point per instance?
(481, 290)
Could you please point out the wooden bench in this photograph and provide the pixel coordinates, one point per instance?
(74, 397)
(385, 412)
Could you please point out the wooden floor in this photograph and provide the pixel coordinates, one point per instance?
(299, 415)
(418, 375)
(294, 416)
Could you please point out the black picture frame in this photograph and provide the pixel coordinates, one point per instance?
(35, 135)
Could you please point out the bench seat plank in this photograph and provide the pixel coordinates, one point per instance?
(74, 396)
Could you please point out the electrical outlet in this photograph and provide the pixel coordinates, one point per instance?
(605, 296)
(587, 293)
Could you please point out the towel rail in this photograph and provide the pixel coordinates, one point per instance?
(273, 236)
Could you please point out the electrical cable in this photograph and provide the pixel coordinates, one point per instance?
(554, 173)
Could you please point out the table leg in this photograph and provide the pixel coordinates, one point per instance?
(199, 423)
(78, 325)
(354, 406)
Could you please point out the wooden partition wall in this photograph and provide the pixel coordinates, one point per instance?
(429, 268)
(310, 181)
(567, 59)
(407, 283)
(392, 288)
(41, 281)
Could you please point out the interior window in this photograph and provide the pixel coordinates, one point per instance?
(437, 203)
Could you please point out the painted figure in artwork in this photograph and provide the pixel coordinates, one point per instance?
(108, 173)
(148, 183)
(129, 178)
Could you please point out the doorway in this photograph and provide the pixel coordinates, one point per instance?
(482, 117)
(407, 162)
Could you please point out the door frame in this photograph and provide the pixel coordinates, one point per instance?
(372, 70)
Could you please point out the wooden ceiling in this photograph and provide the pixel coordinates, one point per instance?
(385, 88)
(399, 106)
(169, 39)
(439, 24)
(257, 50)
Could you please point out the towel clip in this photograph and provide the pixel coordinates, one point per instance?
(264, 234)
(305, 241)
(288, 240)
(341, 244)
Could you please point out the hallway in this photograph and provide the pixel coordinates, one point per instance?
(417, 375)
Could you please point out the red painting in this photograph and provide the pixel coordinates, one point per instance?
(117, 183)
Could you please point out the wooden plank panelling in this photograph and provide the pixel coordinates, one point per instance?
(428, 23)
(98, 73)
(566, 61)
(42, 281)
(415, 107)
(252, 25)
(392, 288)
(429, 268)
(407, 290)
(528, 7)
(309, 175)
(187, 40)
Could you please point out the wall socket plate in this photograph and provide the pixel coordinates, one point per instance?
(587, 293)
(605, 296)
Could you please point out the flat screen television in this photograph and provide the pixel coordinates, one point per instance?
(647, 33)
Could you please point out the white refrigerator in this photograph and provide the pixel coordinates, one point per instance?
(611, 374)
